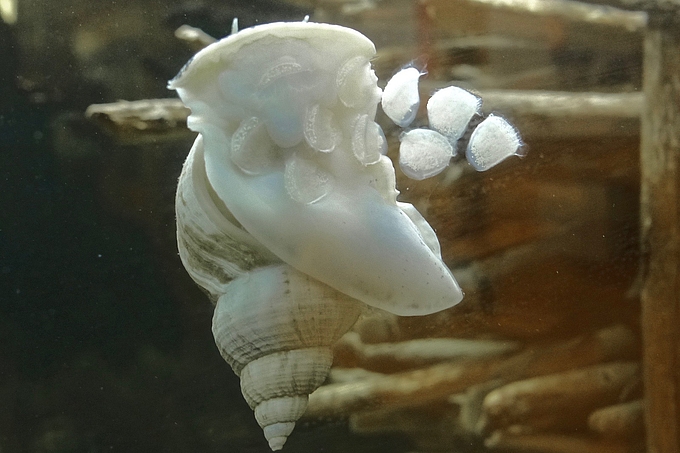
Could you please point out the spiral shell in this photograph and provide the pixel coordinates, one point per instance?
(286, 209)
(275, 326)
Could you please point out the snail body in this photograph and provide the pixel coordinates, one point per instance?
(286, 208)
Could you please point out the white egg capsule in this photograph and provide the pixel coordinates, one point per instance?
(424, 153)
(493, 141)
(450, 110)
(368, 141)
(400, 100)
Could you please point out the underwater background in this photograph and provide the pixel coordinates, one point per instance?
(101, 350)
(105, 341)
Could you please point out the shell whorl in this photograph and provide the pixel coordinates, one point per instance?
(212, 245)
(275, 326)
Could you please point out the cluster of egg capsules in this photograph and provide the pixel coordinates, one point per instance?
(453, 114)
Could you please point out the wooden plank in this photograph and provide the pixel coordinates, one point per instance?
(660, 219)
(572, 10)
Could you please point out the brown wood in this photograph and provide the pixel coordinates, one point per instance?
(438, 382)
(555, 443)
(660, 219)
(569, 10)
(390, 357)
(530, 293)
(144, 121)
(622, 421)
(636, 5)
(561, 400)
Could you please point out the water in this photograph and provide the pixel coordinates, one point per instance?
(106, 341)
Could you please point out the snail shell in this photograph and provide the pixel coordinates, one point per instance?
(275, 326)
(286, 208)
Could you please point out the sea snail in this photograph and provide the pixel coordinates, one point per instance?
(287, 211)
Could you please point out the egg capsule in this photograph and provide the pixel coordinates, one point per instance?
(450, 110)
(368, 140)
(424, 153)
(400, 100)
(493, 141)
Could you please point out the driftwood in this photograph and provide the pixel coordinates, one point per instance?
(619, 421)
(142, 121)
(391, 357)
(415, 420)
(433, 425)
(560, 400)
(503, 300)
(344, 375)
(557, 114)
(438, 382)
(555, 443)
(399, 390)
(195, 37)
(660, 219)
(558, 104)
(537, 114)
(552, 114)
(573, 10)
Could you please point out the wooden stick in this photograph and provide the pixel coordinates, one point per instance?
(195, 37)
(536, 113)
(660, 220)
(559, 400)
(575, 11)
(470, 406)
(555, 443)
(560, 104)
(559, 114)
(621, 421)
(343, 375)
(497, 295)
(391, 357)
(551, 115)
(412, 420)
(145, 120)
(635, 5)
(554, 104)
(438, 382)
(544, 114)
(398, 390)
(138, 114)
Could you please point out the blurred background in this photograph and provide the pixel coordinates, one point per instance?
(105, 342)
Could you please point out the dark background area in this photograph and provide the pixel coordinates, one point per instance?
(105, 342)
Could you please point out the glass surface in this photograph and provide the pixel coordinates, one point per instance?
(106, 340)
